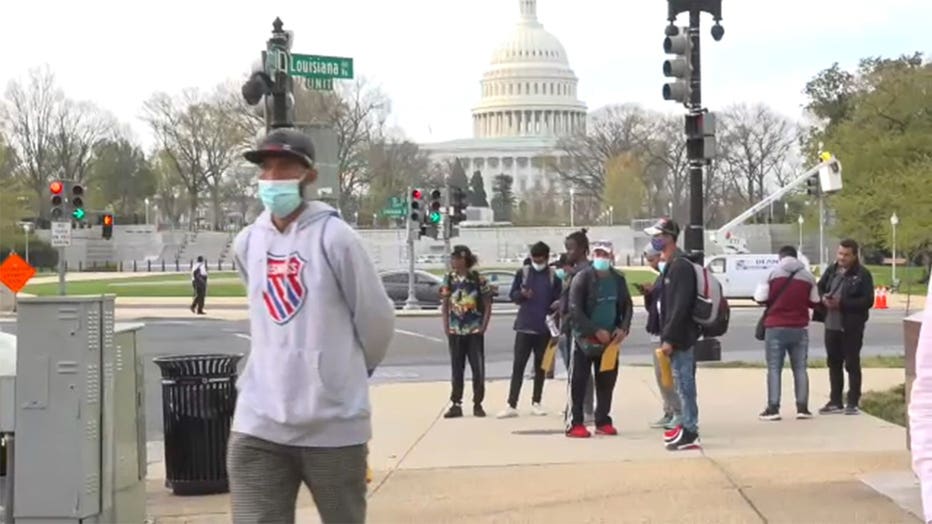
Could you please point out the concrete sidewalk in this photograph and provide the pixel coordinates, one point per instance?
(429, 469)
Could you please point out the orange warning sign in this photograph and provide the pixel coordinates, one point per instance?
(15, 272)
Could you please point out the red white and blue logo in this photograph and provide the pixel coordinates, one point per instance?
(285, 291)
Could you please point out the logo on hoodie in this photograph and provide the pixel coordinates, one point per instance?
(285, 291)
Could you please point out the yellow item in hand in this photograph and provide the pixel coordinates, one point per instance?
(610, 357)
(666, 371)
(546, 363)
(368, 474)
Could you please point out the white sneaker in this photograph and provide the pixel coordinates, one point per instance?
(537, 411)
(508, 412)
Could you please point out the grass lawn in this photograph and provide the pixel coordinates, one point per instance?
(220, 284)
(909, 278)
(889, 405)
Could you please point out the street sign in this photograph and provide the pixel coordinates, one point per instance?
(396, 202)
(15, 272)
(393, 212)
(319, 84)
(315, 66)
(61, 234)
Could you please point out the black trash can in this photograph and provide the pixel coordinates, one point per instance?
(198, 399)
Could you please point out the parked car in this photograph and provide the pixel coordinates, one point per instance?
(426, 287)
(500, 280)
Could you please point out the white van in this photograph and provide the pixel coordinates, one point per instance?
(740, 274)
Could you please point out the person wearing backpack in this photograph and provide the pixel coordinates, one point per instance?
(788, 293)
(601, 310)
(679, 330)
(466, 309)
(535, 289)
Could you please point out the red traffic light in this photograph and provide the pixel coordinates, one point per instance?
(56, 187)
(108, 220)
(417, 194)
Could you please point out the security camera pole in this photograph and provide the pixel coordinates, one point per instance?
(271, 80)
(700, 125)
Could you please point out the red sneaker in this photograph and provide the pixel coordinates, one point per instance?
(606, 429)
(579, 431)
(672, 434)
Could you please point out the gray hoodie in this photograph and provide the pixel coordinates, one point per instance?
(316, 329)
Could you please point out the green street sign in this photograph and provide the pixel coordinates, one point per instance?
(393, 212)
(315, 66)
(319, 84)
(396, 202)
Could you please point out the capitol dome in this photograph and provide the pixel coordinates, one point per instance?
(529, 89)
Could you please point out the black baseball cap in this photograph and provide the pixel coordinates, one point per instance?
(664, 226)
(283, 142)
(461, 251)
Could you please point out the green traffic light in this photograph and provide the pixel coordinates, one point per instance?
(435, 217)
(78, 214)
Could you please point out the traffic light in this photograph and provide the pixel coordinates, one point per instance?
(107, 226)
(678, 67)
(416, 206)
(434, 214)
(58, 209)
(77, 202)
(700, 135)
(812, 185)
(459, 205)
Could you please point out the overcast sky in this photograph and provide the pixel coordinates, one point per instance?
(429, 55)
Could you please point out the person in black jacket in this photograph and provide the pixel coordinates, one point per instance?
(601, 310)
(652, 294)
(678, 331)
(847, 291)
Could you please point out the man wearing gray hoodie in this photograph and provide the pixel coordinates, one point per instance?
(320, 323)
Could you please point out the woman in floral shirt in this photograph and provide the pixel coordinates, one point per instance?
(466, 306)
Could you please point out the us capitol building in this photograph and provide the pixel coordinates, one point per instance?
(528, 102)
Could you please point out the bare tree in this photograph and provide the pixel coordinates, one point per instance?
(77, 128)
(225, 137)
(180, 125)
(757, 149)
(613, 131)
(29, 118)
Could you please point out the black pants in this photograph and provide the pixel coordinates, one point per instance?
(604, 387)
(200, 293)
(843, 350)
(472, 348)
(525, 344)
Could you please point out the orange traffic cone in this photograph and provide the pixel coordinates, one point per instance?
(880, 298)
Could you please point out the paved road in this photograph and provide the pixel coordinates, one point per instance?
(418, 350)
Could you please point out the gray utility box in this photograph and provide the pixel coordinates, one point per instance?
(80, 424)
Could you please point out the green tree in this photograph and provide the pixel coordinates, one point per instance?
(120, 178)
(477, 196)
(503, 198)
(458, 176)
(883, 138)
(624, 187)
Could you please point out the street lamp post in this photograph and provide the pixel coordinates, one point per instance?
(801, 220)
(894, 221)
(572, 207)
(147, 210)
(27, 228)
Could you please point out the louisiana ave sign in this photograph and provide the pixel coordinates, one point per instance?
(315, 66)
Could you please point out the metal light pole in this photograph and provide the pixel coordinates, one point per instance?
(821, 232)
(270, 80)
(147, 210)
(572, 207)
(411, 302)
(611, 215)
(694, 236)
(894, 220)
(27, 228)
(801, 221)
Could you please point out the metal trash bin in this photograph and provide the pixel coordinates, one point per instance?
(198, 399)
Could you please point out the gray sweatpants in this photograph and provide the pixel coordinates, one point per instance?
(265, 478)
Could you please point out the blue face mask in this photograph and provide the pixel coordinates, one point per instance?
(280, 197)
(661, 266)
(658, 243)
(601, 264)
(561, 273)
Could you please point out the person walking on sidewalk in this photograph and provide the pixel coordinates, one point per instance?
(788, 293)
(466, 309)
(678, 331)
(601, 311)
(199, 283)
(535, 289)
(320, 322)
(577, 257)
(847, 290)
(652, 294)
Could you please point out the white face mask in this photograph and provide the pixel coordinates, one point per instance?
(538, 267)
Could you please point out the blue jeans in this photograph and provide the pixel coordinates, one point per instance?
(683, 363)
(778, 342)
